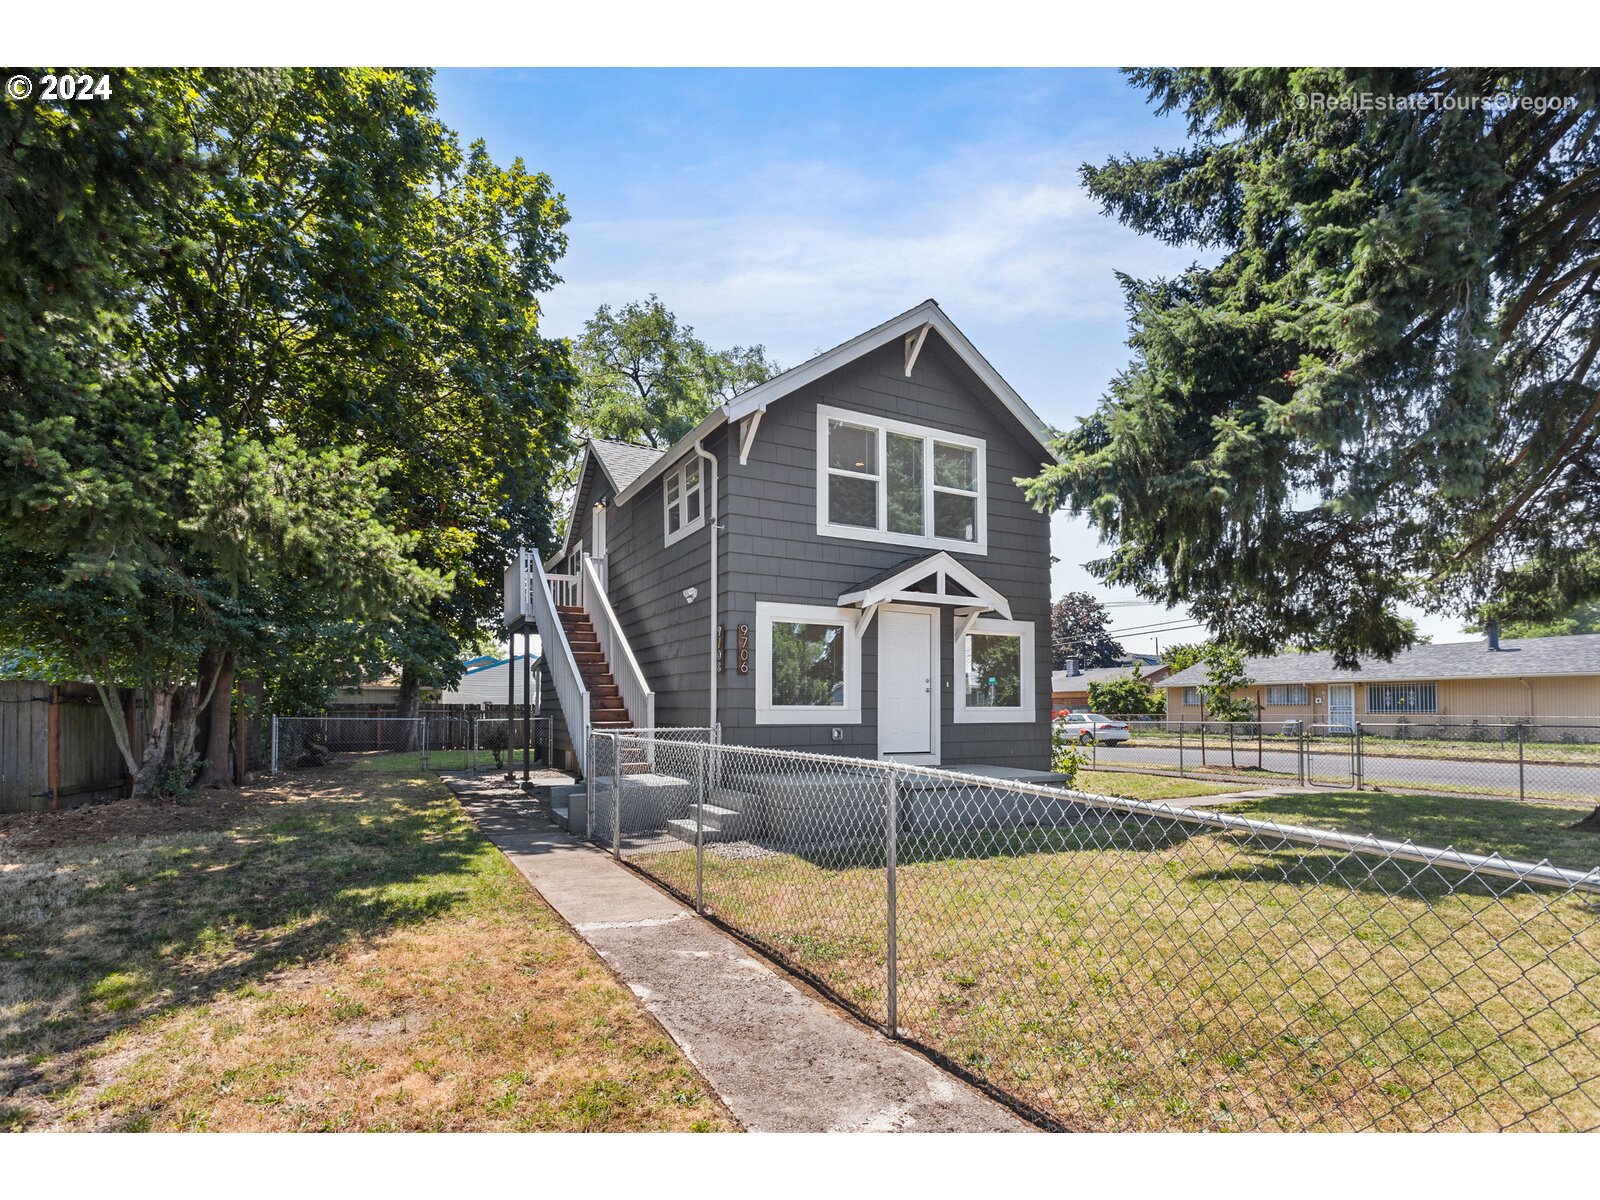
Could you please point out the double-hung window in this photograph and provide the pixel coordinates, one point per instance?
(891, 481)
(684, 500)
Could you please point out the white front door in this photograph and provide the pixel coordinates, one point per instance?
(1342, 705)
(908, 694)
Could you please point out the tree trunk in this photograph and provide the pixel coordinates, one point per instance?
(158, 728)
(216, 724)
(180, 760)
(407, 704)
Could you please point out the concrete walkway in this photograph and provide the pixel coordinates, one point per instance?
(780, 1059)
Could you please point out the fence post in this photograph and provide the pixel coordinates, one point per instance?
(1300, 755)
(274, 744)
(891, 847)
(1359, 769)
(1522, 768)
(1180, 747)
(588, 802)
(473, 722)
(616, 797)
(424, 721)
(704, 783)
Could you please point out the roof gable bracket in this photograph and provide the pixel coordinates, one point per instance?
(966, 618)
(914, 346)
(865, 619)
(747, 433)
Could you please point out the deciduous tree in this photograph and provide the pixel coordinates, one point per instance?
(644, 377)
(1078, 629)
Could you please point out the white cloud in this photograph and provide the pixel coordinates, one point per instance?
(802, 255)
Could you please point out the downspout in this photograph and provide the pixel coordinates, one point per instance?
(716, 527)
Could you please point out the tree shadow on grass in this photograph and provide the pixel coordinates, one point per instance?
(135, 930)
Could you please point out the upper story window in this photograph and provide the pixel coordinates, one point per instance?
(889, 481)
(684, 499)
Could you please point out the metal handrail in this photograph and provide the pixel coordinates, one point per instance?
(571, 693)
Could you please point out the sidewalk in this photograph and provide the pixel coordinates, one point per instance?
(780, 1059)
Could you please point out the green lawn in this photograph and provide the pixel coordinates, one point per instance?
(1118, 975)
(1135, 786)
(331, 951)
(1524, 831)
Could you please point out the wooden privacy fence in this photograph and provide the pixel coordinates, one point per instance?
(56, 746)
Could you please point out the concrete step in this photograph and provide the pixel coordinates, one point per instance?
(721, 825)
(732, 799)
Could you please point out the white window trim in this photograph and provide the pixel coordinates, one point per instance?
(1021, 715)
(679, 475)
(881, 535)
(768, 713)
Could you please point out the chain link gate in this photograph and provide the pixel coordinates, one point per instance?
(369, 742)
(1111, 964)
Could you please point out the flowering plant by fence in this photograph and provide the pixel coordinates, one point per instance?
(1103, 963)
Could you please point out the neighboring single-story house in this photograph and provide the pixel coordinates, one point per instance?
(1069, 689)
(1547, 681)
(483, 681)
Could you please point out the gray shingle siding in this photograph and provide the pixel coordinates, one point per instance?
(773, 551)
(646, 581)
(770, 551)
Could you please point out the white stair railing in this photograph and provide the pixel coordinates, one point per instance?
(570, 690)
(564, 588)
(631, 684)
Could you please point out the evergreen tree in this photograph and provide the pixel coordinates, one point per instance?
(1386, 389)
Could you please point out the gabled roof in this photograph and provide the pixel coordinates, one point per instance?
(927, 316)
(934, 579)
(1060, 681)
(623, 462)
(620, 462)
(1576, 654)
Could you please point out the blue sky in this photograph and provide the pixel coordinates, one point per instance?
(796, 208)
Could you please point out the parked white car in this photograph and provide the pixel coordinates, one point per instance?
(1092, 727)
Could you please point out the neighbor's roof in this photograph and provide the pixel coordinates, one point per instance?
(927, 314)
(1060, 681)
(1578, 654)
(623, 462)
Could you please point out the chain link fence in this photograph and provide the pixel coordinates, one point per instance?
(431, 741)
(1108, 964)
(1524, 760)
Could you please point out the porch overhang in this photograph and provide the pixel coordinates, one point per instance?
(937, 579)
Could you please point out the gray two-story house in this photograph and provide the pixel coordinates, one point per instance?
(838, 560)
